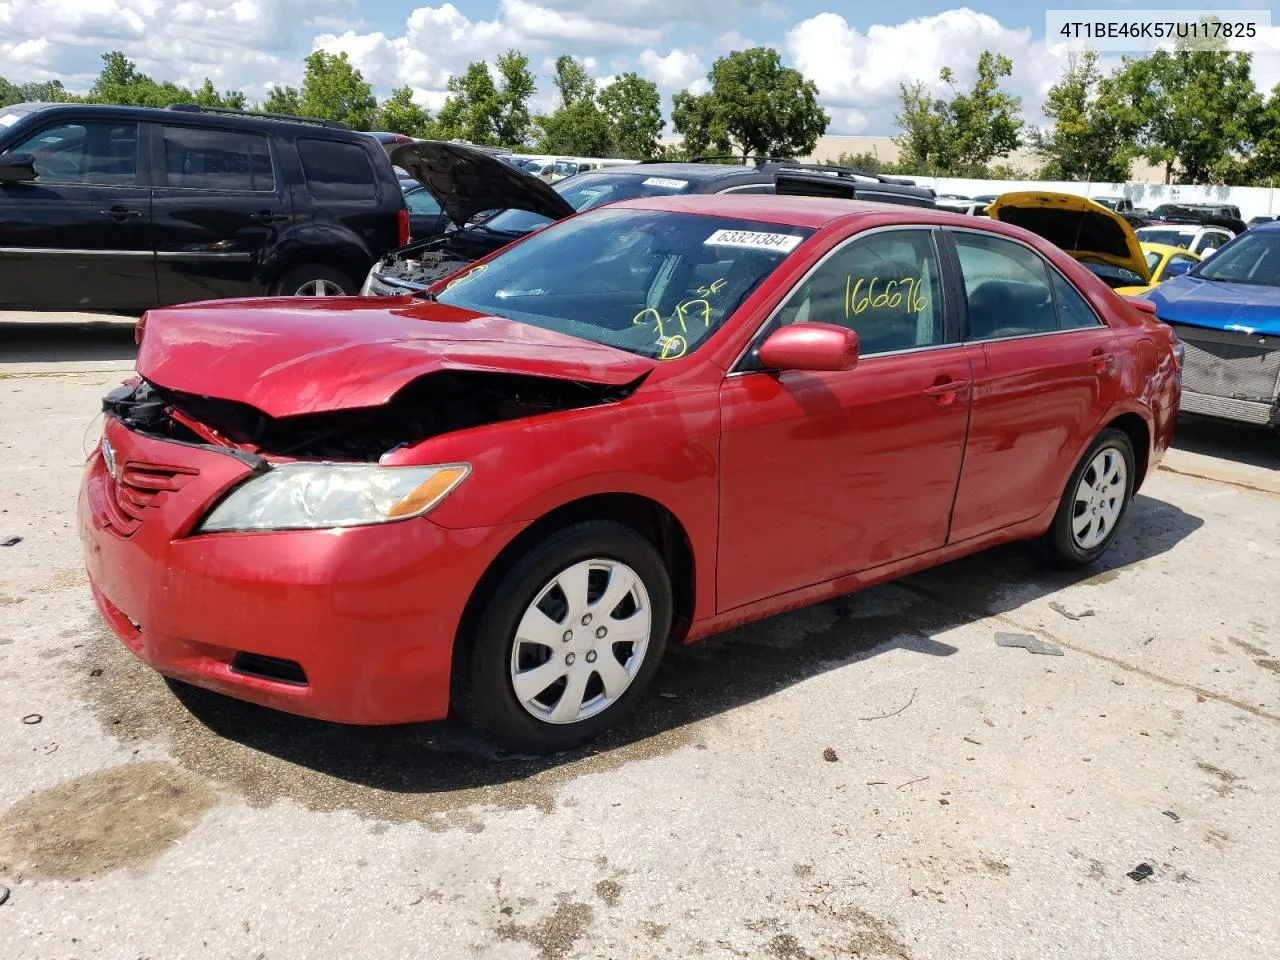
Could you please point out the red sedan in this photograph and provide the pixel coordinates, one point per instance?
(640, 426)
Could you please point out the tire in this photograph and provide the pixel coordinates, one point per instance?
(314, 275)
(1087, 520)
(528, 605)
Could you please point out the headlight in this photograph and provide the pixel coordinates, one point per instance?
(310, 496)
(369, 282)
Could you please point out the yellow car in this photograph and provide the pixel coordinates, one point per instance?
(1164, 262)
(1101, 240)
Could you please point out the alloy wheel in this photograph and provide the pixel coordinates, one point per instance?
(581, 641)
(1099, 498)
(319, 288)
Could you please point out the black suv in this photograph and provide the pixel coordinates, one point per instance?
(126, 208)
(493, 203)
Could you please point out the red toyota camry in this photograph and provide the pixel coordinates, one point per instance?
(637, 427)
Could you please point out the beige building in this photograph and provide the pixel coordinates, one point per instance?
(829, 148)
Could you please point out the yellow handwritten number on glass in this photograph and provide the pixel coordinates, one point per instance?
(892, 295)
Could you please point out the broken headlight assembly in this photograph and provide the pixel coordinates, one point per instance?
(317, 496)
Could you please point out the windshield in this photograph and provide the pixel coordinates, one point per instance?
(1172, 238)
(589, 190)
(650, 282)
(1252, 257)
(564, 168)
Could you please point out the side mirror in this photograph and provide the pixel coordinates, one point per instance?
(810, 346)
(17, 167)
(1177, 268)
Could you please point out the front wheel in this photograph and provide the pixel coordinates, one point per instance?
(314, 280)
(1095, 501)
(569, 639)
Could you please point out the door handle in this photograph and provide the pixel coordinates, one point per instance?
(1102, 361)
(944, 394)
(266, 217)
(120, 214)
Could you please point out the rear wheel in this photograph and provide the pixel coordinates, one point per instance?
(1095, 501)
(569, 639)
(314, 280)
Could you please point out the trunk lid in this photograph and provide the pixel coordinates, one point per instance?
(467, 181)
(291, 356)
(1085, 230)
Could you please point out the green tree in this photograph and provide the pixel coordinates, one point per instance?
(283, 100)
(920, 123)
(1195, 111)
(471, 110)
(577, 127)
(399, 114)
(48, 91)
(121, 82)
(755, 106)
(1263, 164)
(633, 109)
(1089, 139)
(333, 89)
(963, 133)
(511, 124)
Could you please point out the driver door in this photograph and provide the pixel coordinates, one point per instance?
(829, 473)
(79, 237)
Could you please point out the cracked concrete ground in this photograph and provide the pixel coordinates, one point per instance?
(974, 801)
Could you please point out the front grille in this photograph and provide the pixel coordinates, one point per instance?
(1222, 363)
(269, 668)
(138, 486)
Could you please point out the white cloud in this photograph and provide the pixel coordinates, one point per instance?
(864, 70)
(678, 70)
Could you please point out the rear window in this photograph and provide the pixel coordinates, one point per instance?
(590, 190)
(1170, 238)
(217, 160)
(337, 171)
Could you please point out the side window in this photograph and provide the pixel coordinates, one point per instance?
(1212, 240)
(420, 201)
(336, 171)
(886, 287)
(1074, 312)
(217, 160)
(1007, 288)
(85, 152)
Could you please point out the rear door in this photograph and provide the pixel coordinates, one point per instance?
(219, 206)
(79, 237)
(1045, 372)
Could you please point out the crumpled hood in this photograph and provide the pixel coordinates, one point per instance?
(1083, 229)
(290, 356)
(1218, 305)
(467, 181)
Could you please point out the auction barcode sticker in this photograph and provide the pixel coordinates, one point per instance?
(782, 242)
(665, 182)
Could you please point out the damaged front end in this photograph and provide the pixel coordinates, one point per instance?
(432, 405)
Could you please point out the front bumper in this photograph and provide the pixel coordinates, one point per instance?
(369, 614)
(1231, 374)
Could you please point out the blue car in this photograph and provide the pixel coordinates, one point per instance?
(1226, 311)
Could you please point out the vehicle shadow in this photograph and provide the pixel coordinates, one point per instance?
(41, 342)
(1240, 442)
(702, 680)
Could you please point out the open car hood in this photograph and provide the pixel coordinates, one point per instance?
(1084, 229)
(289, 356)
(467, 181)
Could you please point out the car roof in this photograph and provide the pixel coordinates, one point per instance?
(190, 115)
(693, 172)
(793, 211)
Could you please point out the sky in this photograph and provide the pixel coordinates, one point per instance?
(858, 54)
